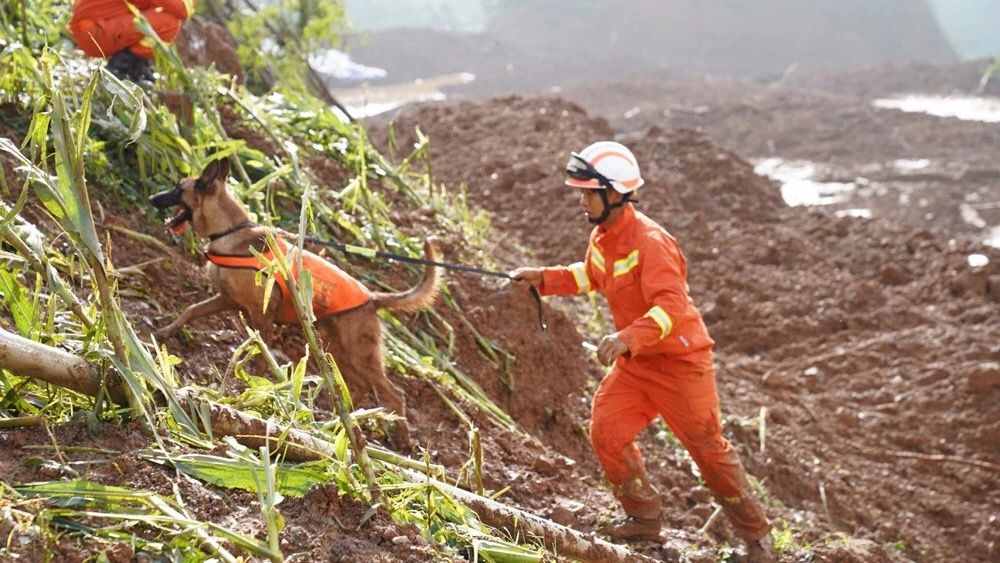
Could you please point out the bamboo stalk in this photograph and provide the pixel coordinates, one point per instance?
(53, 365)
(711, 520)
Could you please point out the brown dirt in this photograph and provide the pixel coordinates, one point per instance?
(314, 521)
(827, 118)
(206, 43)
(862, 338)
(865, 341)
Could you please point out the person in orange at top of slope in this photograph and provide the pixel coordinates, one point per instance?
(105, 28)
(662, 353)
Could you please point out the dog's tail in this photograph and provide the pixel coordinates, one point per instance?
(421, 296)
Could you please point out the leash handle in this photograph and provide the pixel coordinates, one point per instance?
(538, 303)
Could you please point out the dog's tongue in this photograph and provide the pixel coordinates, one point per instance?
(180, 229)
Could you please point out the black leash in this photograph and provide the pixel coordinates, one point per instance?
(369, 253)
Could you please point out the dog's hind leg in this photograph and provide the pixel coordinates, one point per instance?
(210, 306)
(355, 340)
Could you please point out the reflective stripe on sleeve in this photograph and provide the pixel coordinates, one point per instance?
(662, 319)
(597, 258)
(580, 275)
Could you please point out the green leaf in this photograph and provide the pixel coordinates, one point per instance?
(290, 480)
(21, 307)
(503, 552)
(298, 376)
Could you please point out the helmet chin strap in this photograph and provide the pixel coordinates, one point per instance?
(608, 207)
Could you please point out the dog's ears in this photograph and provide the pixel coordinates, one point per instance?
(214, 173)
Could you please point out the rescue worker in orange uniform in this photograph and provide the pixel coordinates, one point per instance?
(662, 352)
(105, 28)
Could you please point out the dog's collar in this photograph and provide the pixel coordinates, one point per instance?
(238, 227)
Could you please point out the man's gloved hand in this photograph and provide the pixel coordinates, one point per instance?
(610, 348)
(532, 276)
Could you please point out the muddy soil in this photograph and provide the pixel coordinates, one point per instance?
(828, 118)
(871, 345)
(868, 347)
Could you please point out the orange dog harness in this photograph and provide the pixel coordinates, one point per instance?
(334, 291)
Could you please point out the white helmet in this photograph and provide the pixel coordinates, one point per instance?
(604, 164)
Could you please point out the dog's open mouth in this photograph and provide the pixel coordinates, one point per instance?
(177, 224)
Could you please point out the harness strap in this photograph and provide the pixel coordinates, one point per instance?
(235, 261)
(238, 227)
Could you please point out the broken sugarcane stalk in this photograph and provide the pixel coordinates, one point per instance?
(33, 359)
(58, 367)
(301, 446)
(21, 421)
(564, 541)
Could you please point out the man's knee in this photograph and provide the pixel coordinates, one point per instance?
(607, 436)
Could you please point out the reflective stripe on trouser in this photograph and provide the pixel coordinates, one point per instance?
(682, 391)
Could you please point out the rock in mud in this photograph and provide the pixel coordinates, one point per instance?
(993, 288)
(893, 274)
(985, 377)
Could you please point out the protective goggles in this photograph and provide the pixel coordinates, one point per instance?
(579, 169)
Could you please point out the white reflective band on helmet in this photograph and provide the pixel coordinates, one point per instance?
(627, 264)
(597, 258)
(613, 161)
(580, 275)
(662, 318)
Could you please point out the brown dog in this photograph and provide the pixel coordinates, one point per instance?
(345, 309)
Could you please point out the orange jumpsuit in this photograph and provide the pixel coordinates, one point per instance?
(334, 290)
(669, 372)
(103, 27)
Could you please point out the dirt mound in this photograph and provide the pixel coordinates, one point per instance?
(887, 79)
(829, 119)
(510, 153)
(871, 346)
(774, 119)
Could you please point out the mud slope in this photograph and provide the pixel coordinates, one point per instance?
(872, 346)
(867, 343)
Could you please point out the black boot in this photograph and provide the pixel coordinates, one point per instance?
(126, 65)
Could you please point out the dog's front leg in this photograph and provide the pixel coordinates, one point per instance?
(210, 306)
